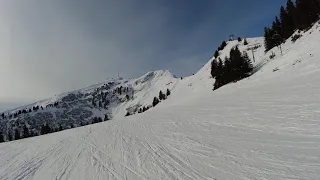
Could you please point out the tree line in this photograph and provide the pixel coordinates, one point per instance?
(26, 111)
(156, 100)
(294, 16)
(25, 132)
(234, 68)
(224, 44)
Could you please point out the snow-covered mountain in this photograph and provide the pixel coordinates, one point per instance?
(114, 98)
(106, 100)
(262, 127)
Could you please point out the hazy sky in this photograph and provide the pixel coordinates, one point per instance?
(53, 46)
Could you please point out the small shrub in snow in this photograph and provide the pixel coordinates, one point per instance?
(155, 101)
(168, 92)
(144, 109)
(245, 42)
(162, 96)
(128, 114)
(272, 55)
(295, 37)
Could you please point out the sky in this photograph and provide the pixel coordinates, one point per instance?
(54, 46)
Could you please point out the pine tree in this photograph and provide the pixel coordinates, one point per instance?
(302, 14)
(219, 74)
(277, 27)
(239, 39)
(214, 66)
(106, 118)
(10, 138)
(287, 27)
(275, 34)
(314, 6)
(1, 137)
(93, 102)
(95, 119)
(35, 134)
(31, 133)
(292, 13)
(42, 131)
(246, 66)
(317, 3)
(269, 42)
(100, 104)
(236, 67)
(26, 133)
(168, 92)
(216, 54)
(161, 96)
(60, 128)
(45, 129)
(223, 45)
(155, 101)
(220, 68)
(235, 64)
(17, 134)
(307, 13)
(106, 103)
(49, 129)
(245, 42)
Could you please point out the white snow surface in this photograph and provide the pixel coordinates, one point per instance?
(264, 127)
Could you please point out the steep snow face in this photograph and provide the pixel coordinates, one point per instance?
(106, 100)
(145, 89)
(203, 82)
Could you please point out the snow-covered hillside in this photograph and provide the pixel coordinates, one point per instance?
(114, 98)
(77, 108)
(264, 127)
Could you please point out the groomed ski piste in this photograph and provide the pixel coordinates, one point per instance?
(264, 127)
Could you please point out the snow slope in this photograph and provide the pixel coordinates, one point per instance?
(264, 127)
